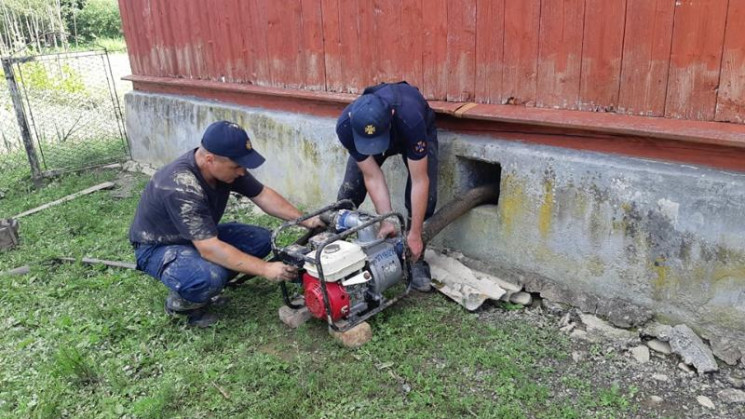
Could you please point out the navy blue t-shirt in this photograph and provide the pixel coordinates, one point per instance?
(412, 125)
(178, 205)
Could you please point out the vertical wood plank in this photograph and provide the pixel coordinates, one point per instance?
(434, 45)
(235, 63)
(409, 50)
(601, 54)
(198, 48)
(131, 36)
(161, 44)
(352, 60)
(489, 50)
(695, 59)
(731, 100)
(311, 40)
(370, 44)
(332, 45)
(646, 57)
(461, 53)
(146, 28)
(560, 53)
(283, 42)
(519, 77)
(182, 43)
(256, 41)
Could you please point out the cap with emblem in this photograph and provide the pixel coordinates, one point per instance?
(228, 139)
(371, 124)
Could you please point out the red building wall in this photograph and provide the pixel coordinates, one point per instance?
(678, 59)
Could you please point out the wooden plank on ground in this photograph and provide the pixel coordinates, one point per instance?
(560, 54)
(104, 185)
(646, 57)
(489, 51)
(696, 57)
(731, 99)
(461, 53)
(521, 21)
(434, 46)
(601, 54)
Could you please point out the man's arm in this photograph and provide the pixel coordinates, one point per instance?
(376, 185)
(227, 256)
(274, 204)
(419, 197)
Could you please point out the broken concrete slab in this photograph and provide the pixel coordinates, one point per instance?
(460, 283)
(597, 326)
(623, 313)
(684, 342)
(726, 350)
(294, 318)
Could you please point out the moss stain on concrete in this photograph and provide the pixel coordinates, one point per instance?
(546, 210)
(512, 202)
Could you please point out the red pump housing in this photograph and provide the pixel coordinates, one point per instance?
(338, 298)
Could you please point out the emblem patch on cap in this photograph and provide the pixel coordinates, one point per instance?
(248, 145)
(420, 146)
(370, 129)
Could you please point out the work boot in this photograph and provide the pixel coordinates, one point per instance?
(421, 278)
(197, 314)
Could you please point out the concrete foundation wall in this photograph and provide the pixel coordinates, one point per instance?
(664, 236)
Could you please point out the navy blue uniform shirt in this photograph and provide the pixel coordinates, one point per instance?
(178, 205)
(412, 125)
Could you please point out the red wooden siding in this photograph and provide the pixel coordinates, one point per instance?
(672, 58)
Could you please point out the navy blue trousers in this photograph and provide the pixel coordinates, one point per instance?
(183, 270)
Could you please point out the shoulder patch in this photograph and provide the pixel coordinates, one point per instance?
(420, 146)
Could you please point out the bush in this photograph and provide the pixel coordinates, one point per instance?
(99, 19)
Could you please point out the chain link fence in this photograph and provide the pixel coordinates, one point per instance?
(71, 108)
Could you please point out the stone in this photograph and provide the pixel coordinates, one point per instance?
(354, 337)
(552, 307)
(725, 349)
(731, 395)
(8, 234)
(705, 402)
(693, 351)
(522, 298)
(598, 326)
(660, 346)
(660, 377)
(568, 328)
(578, 334)
(558, 293)
(736, 382)
(655, 399)
(623, 313)
(640, 353)
(294, 318)
(577, 356)
(660, 331)
(685, 367)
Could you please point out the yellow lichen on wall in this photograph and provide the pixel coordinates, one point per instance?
(547, 208)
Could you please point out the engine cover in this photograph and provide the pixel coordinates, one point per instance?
(338, 298)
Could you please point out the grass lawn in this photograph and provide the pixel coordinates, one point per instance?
(86, 341)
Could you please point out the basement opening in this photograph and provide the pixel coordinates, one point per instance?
(474, 173)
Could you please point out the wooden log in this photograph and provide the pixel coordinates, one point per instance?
(459, 206)
(105, 185)
(23, 270)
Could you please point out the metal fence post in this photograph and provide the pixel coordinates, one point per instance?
(15, 94)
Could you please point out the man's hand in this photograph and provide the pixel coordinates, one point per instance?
(314, 222)
(386, 230)
(416, 245)
(278, 272)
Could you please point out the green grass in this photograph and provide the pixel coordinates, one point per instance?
(83, 341)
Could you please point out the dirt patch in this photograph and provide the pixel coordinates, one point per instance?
(661, 387)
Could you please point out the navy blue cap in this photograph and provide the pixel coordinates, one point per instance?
(227, 139)
(371, 124)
